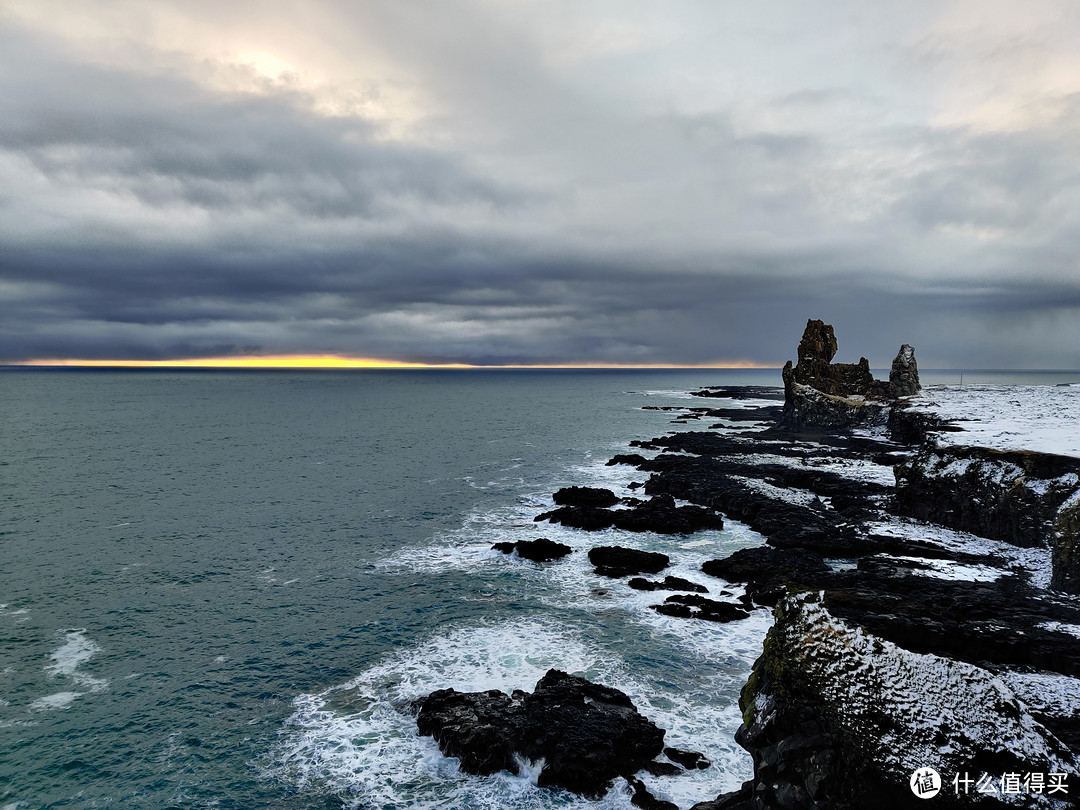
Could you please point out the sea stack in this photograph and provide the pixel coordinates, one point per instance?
(819, 393)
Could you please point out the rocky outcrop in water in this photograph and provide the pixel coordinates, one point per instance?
(658, 514)
(901, 638)
(695, 606)
(821, 394)
(616, 561)
(585, 496)
(538, 550)
(586, 734)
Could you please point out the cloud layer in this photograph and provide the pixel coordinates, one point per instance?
(530, 182)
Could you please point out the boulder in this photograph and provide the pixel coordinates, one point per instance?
(586, 733)
(659, 514)
(644, 799)
(695, 606)
(585, 496)
(668, 584)
(616, 561)
(538, 550)
(589, 518)
(691, 760)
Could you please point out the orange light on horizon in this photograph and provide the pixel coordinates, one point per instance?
(329, 361)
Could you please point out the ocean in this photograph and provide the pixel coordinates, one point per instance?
(225, 589)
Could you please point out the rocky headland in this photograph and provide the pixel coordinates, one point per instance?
(924, 598)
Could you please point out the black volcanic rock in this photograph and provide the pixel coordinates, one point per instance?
(658, 514)
(904, 374)
(538, 550)
(587, 734)
(644, 799)
(825, 395)
(589, 518)
(694, 606)
(690, 760)
(481, 729)
(768, 571)
(616, 561)
(669, 583)
(1019, 497)
(585, 496)
(633, 459)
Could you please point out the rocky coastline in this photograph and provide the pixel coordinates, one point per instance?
(924, 599)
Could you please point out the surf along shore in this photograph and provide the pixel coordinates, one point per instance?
(924, 593)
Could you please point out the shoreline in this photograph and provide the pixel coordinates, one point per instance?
(907, 634)
(874, 559)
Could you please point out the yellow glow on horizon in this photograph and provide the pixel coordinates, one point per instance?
(329, 361)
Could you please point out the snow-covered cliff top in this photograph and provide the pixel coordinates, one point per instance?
(1044, 418)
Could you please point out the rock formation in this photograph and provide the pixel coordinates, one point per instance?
(1022, 498)
(586, 734)
(616, 561)
(538, 550)
(904, 375)
(659, 514)
(836, 718)
(821, 394)
(897, 644)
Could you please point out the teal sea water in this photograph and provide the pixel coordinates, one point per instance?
(225, 589)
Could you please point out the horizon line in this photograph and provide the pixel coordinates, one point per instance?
(345, 362)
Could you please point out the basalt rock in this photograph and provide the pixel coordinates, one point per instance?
(695, 606)
(587, 734)
(691, 760)
(768, 571)
(658, 514)
(821, 394)
(616, 561)
(835, 717)
(668, 584)
(644, 799)
(539, 550)
(585, 496)
(1019, 497)
(904, 374)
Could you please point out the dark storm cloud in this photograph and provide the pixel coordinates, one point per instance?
(539, 213)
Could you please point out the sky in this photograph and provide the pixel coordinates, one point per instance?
(540, 181)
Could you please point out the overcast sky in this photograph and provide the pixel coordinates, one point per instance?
(540, 181)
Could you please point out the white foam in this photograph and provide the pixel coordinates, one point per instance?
(60, 700)
(359, 739)
(76, 651)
